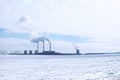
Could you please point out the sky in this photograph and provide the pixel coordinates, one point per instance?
(90, 25)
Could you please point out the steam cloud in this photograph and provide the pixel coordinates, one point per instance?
(41, 39)
(75, 46)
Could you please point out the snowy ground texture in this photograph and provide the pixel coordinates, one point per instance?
(56, 67)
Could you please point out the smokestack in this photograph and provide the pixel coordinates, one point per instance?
(76, 48)
(49, 44)
(43, 45)
(36, 40)
(25, 52)
(77, 52)
(42, 39)
(37, 46)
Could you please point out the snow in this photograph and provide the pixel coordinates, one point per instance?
(56, 67)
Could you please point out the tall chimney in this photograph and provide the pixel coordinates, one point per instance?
(43, 45)
(77, 52)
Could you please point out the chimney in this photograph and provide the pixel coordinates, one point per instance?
(77, 52)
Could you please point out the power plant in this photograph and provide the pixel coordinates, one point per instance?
(49, 52)
(42, 39)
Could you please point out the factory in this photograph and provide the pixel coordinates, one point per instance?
(44, 52)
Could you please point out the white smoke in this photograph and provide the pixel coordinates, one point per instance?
(37, 38)
(75, 46)
(23, 24)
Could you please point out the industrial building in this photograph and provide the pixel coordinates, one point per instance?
(49, 52)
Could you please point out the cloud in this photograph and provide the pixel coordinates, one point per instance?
(83, 17)
(94, 19)
(22, 20)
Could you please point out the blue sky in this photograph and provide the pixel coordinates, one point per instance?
(92, 25)
(4, 34)
(51, 36)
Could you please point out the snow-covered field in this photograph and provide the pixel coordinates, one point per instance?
(56, 67)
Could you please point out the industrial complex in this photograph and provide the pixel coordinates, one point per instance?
(49, 52)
